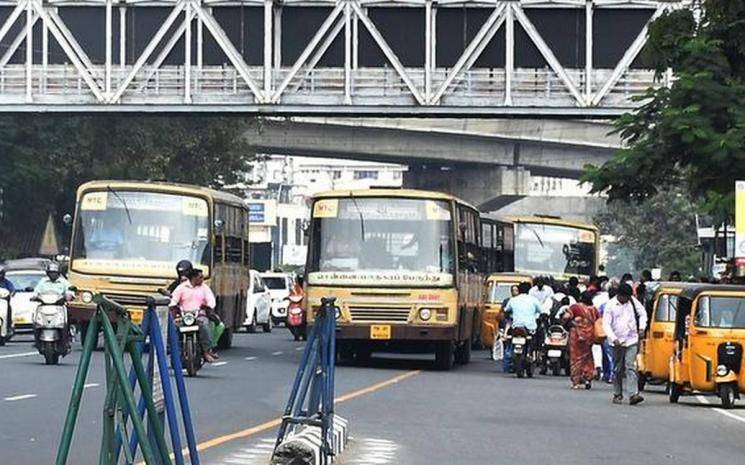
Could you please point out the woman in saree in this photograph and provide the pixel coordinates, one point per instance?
(581, 318)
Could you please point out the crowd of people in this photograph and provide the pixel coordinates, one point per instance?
(605, 318)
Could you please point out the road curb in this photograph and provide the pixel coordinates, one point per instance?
(304, 445)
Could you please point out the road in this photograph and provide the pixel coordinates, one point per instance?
(400, 411)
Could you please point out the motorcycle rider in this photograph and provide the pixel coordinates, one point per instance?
(182, 268)
(194, 294)
(524, 309)
(5, 283)
(53, 282)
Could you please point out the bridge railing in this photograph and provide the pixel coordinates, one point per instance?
(370, 86)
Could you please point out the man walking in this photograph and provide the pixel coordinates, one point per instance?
(624, 319)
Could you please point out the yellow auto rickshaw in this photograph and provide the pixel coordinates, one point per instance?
(657, 345)
(497, 289)
(709, 338)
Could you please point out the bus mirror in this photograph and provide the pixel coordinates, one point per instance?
(219, 225)
(67, 219)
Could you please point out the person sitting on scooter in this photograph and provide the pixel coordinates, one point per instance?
(5, 283)
(193, 294)
(524, 308)
(182, 268)
(53, 282)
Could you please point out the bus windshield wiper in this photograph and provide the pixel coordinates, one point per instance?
(119, 198)
(362, 218)
(537, 236)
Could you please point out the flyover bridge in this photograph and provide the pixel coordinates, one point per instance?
(534, 58)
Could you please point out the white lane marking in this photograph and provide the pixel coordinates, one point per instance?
(258, 454)
(250, 358)
(726, 413)
(219, 364)
(20, 397)
(90, 385)
(24, 354)
(278, 353)
(374, 451)
(299, 348)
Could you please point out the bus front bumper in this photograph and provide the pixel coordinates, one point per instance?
(364, 332)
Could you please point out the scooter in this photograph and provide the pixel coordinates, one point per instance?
(522, 348)
(6, 317)
(296, 321)
(192, 358)
(555, 355)
(51, 329)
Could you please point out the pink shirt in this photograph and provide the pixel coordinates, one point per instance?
(620, 323)
(189, 297)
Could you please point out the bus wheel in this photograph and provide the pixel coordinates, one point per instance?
(444, 355)
(226, 340)
(463, 353)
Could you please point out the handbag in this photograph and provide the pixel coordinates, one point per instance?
(599, 331)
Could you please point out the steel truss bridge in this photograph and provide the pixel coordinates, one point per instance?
(536, 58)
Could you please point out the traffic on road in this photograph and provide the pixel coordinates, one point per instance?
(459, 337)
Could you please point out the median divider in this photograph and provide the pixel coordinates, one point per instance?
(311, 433)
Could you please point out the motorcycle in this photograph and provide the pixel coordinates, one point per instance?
(296, 322)
(555, 350)
(192, 358)
(522, 348)
(6, 317)
(51, 329)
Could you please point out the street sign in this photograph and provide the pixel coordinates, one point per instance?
(739, 218)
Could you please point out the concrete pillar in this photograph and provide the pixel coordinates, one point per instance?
(486, 187)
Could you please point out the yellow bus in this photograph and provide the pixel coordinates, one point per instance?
(551, 246)
(404, 266)
(128, 236)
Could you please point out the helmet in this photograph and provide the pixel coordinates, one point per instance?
(183, 266)
(53, 267)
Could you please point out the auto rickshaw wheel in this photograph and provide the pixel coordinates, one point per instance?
(728, 395)
(675, 391)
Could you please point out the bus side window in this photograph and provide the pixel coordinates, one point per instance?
(220, 215)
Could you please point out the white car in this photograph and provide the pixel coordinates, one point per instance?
(279, 285)
(23, 308)
(258, 304)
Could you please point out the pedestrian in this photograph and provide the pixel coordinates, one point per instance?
(624, 320)
(581, 319)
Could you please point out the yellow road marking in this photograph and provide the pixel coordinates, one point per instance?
(277, 421)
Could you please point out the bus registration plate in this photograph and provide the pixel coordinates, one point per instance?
(380, 332)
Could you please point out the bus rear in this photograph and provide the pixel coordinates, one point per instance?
(390, 260)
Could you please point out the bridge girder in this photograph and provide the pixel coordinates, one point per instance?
(145, 83)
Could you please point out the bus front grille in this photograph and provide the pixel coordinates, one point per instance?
(375, 314)
(127, 300)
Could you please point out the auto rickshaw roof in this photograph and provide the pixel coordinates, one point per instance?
(690, 293)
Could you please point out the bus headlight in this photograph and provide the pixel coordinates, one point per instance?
(425, 314)
(86, 297)
(337, 313)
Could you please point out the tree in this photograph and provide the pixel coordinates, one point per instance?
(659, 232)
(45, 159)
(691, 134)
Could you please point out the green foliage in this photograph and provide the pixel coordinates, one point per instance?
(693, 133)
(45, 158)
(660, 232)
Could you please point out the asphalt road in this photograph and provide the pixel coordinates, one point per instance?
(400, 411)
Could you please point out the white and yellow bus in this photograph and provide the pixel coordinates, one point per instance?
(405, 267)
(128, 236)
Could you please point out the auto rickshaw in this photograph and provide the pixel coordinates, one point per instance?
(709, 338)
(657, 345)
(496, 290)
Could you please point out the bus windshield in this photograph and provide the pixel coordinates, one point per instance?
(140, 233)
(554, 250)
(376, 241)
